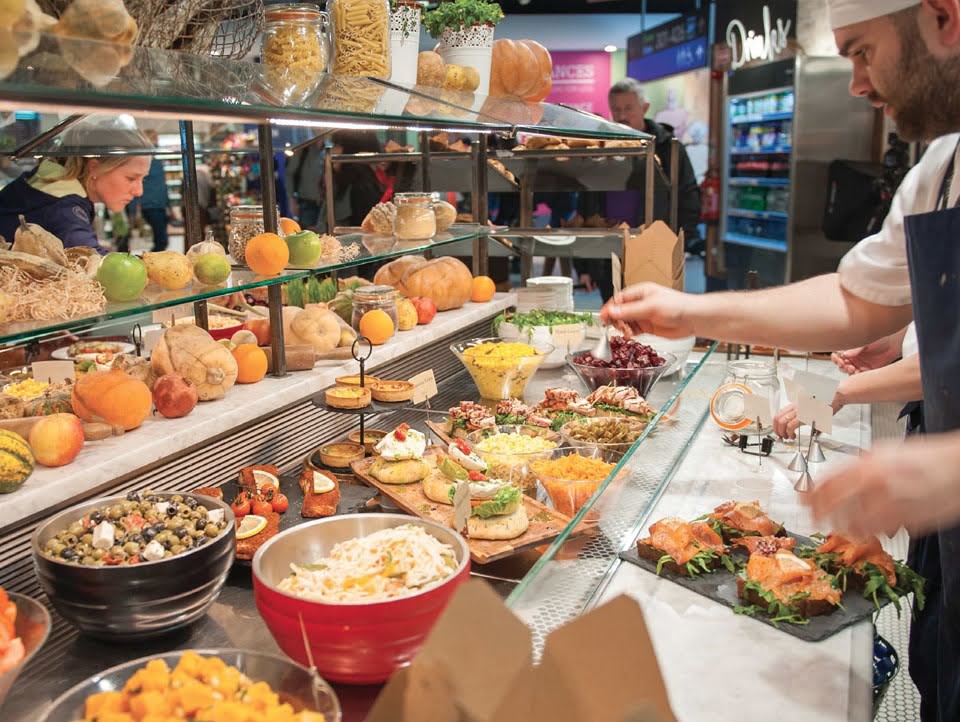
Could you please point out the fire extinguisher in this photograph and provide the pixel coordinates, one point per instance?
(710, 197)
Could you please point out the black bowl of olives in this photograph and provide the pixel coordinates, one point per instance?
(135, 566)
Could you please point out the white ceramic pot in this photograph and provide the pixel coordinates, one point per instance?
(565, 338)
(404, 44)
(471, 47)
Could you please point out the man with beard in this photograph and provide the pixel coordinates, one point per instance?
(906, 60)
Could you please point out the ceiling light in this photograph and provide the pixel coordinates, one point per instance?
(610, 49)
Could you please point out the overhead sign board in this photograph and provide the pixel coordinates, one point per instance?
(675, 47)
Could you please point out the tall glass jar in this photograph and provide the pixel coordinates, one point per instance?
(749, 376)
(294, 49)
(361, 37)
(372, 298)
(415, 219)
(245, 223)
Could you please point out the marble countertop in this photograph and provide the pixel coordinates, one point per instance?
(102, 461)
(729, 668)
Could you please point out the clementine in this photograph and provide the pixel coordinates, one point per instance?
(483, 289)
(267, 254)
(288, 227)
(251, 363)
(377, 326)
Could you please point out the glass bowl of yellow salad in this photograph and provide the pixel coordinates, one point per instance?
(509, 450)
(500, 369)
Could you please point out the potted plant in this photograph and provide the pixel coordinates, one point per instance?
(404, 40)
(465, 30)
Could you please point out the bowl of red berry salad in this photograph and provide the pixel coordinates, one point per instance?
(632, 364)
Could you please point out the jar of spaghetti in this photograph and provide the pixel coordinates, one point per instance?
(361, 37)
(415, 219)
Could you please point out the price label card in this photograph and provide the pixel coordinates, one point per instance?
(461, 506)
(424, 386)
(53, 372)
(814, 411)
(617, 273)
(757, 406)
(169, 315)
(816, 386)
(567, 336)
(150, 340)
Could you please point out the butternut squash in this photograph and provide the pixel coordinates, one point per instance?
(191, 352)
(316, 327)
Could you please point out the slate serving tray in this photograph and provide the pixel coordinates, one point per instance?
(721, 586)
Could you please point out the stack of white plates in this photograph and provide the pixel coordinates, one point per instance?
(556, 293)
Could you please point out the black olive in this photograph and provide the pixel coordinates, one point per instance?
(181, 532)
(159, 526)
(69, 554)
(191, 502)
(133, 496)
(172, 510)
(96, 517)
(200, 540)
(136, 538)
(149, 533)
(153, 499)
(200, 524)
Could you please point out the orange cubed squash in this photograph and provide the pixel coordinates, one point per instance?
(229, 712)
(308, 716)
(115, 717)
(190, 664)
(260, 696)
(227, 682)
(104, 703)
(149, 703)
(193, 697)
(282, 713)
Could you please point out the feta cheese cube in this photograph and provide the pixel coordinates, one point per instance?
(215, 515)
(103, 535)
(153, 551)
(162, 506)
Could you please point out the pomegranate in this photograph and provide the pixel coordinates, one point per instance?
(426, 309)
(174, 396)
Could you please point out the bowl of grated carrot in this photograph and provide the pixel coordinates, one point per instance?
(573, 474)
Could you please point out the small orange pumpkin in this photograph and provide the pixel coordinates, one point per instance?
(520, 68)
(112, 397)
(251, 363)
(267, 254)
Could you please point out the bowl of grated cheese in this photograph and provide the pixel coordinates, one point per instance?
(363, 589)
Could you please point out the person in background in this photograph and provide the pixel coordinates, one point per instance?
(629, 107)
(355, 185)
(59, 194)
(153, 204)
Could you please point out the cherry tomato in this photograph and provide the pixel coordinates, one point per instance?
(462, 446)
(476, 476)
(280, 503)
(240, 505)
(262, 507)
(400, 433)
(267, 490)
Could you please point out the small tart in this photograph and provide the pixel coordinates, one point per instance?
(368, 380)
(348, 397)
(341, 454)
(392, 391)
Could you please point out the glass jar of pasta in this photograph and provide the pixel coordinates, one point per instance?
(361, 37)
(295, 49)
(245, 223)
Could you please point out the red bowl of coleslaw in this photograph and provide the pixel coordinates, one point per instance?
(363, 589)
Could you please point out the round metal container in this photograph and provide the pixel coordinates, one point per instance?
(290, 681)
(354, 643)
(33, 628)
(125, 602)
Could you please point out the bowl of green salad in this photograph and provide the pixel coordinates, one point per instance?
(564, 330)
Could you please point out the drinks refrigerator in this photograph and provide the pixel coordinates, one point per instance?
(783, 123)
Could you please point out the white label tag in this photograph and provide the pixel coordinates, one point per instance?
(567, 337)
(461, 507)
(757, 406)
(617, 273)
(150, 340)
(53, 372)
(813, 411)
(424, 386)
(816, 386)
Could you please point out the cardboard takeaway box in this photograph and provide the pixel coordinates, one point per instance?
(477, 666)
(653, 254)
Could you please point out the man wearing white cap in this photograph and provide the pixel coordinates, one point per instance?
(906, 59)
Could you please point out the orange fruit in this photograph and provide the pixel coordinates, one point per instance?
(251, 363)
(376, 326)
(483, 289)
(288, 227)
(267, 254)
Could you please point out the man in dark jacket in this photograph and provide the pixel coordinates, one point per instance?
(629, 107)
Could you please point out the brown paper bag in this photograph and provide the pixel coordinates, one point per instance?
(654, 255)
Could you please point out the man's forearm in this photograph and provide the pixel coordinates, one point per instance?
(899, 382)
(812, 315)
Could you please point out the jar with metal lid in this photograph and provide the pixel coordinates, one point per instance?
(294, 48)
(415, 219)
(744, 377)
(373, 298)
(361, 37)
(245, 223)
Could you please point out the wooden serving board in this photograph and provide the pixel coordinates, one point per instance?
(545, 523)
(439, 432)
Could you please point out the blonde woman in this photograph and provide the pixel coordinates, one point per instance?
(59, 194)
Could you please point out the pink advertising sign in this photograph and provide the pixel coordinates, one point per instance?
(581, 79)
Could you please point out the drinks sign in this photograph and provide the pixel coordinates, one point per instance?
(748, 46)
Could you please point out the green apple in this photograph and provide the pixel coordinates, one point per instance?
(305, 248)
(211, 269)
(122, 276)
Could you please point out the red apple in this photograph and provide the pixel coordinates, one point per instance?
(174, 396)
(56, 439)
(260, 327)
(426, 309)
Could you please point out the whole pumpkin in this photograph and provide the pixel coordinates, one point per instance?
(191, 352)
(16, 461)
(445, 281)
(112, 397)
(49, 404)
(521, 68)
(546, 71)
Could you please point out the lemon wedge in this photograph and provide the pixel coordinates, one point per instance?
(261, 477)
(251, 526)
(322, 484)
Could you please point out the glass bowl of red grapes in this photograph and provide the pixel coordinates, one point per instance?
(633, 364)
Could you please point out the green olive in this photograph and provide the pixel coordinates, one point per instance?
(98, 554)
(115, 513)
(84, 549)
(76, 528)
(131, 548)
(87, 538)
(88, 561)
(176, 498)
(177, 548)
(117, 552)
(70, 540)
(211, 530)
(187, 542)
(56, 548)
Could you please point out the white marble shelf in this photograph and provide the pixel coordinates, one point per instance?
(100, 462)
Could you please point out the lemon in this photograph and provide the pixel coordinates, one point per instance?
(264, 477)
(211, 269)
(251, 526)
(322, 484)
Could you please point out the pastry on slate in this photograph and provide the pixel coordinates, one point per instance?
(321, 493)
(212, 491)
